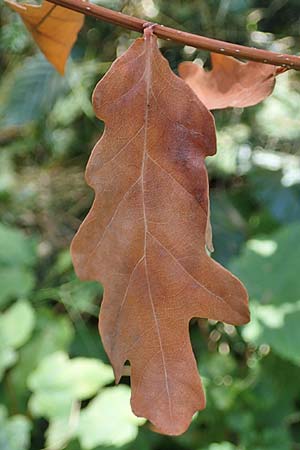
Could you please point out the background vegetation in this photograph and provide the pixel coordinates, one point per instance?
(56, 384)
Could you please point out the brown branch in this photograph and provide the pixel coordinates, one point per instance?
(213, 45)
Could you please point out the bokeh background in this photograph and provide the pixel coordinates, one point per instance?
(57, 388)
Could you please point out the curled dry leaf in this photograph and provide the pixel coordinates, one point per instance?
(144, 237)
(230, 83)
(53, 28)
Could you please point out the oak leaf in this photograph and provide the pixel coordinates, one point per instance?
(53, 28)
(230, 83)
(144, 237)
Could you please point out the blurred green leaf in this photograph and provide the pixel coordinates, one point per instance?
(228, 227)
(108, 419)
(62, 430)
(14, 282)
(52, 333)
(58, 381)
(279, 115)
(15, 248)
(16, 326)
(33, 92)
(278, 327)
(7, 173)
(269, 268)
(17, 256)
(230, 139)
(81, 296)
(14, 431)
(222, 446)
(282, 202)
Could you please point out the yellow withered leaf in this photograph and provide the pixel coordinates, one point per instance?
(53, 28)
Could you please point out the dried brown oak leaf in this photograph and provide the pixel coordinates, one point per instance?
(144, 237)
(230, 83)
(53, 28)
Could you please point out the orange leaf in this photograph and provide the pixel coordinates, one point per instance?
(230, 83)
(53, 28)
(144, 237)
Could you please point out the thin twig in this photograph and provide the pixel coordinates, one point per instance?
(213, 45)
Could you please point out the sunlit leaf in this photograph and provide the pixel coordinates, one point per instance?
(108, 420)
(52, 333)
(58, 382)
(53, 28)
(230, 83)
(16, 325)
(269, 268)
(279, 116)
(14, 431)
(17, 255)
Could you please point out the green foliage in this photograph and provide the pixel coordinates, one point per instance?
(266, 267)
(51, 334)
(16, 325)
(55, 389)
(283, 107)
(58, 382)
(17, 256)
(14, 431)
(32, 93)
(108, 420)
(222, 446)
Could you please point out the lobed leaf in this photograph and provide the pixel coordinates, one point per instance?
(145, 235)
(53, 28)
(230, 83)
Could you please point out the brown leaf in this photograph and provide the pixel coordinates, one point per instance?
(144, 237)
(53, 28)
(230, 83)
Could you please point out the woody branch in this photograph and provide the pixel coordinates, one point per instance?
(194, 40)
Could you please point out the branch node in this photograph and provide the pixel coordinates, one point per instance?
(148, 28)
